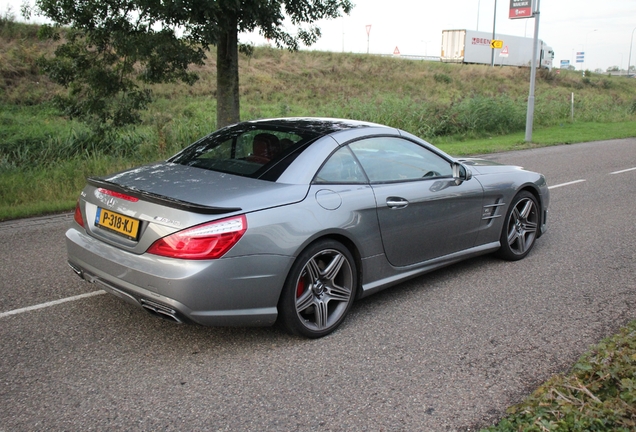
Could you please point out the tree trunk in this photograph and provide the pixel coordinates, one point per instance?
(227, 77)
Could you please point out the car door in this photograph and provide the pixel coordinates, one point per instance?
(422, 211)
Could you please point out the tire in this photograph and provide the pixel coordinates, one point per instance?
(319, 290)
(520, 228)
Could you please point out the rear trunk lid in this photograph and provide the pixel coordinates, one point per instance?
(134, 208)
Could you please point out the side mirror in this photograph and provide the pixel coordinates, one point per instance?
(461, 173)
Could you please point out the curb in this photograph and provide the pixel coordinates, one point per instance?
(36, 221)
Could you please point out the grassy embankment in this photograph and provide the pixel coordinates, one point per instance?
(44, 158)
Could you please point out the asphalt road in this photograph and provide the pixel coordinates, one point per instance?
(449, 351)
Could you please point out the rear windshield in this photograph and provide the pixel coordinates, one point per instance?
(255, 151)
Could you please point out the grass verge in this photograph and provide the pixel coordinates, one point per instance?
(567, 133)
(599, 393)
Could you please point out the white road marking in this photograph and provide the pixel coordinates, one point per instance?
(623, 171)
(51, 303)
(565, 184)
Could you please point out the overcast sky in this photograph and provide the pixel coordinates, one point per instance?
(601, 29)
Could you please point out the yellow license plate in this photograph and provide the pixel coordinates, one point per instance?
(118, 223)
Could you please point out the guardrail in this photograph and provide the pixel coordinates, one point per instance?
(619, 73)
(411, 57)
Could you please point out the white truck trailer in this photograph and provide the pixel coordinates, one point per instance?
(469, 46)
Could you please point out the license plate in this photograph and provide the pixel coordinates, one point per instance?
(117, 223)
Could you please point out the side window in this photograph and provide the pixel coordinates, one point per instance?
(341, 167)
(387, 159)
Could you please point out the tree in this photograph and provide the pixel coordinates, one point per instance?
(114, 47)
(111, 47)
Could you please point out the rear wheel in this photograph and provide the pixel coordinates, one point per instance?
(319, 290)
(520, 228)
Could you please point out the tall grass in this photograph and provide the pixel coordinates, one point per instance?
(477, 115)
(31, 139)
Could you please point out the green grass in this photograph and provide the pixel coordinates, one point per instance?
(50, 189)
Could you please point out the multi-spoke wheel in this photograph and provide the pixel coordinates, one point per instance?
(520, 228)
(319, 290)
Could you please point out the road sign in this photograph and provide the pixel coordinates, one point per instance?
(580, 57)
(496, 44)
(396, 51)
(520, 9)
(504, 52)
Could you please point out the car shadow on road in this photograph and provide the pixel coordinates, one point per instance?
(122, 323)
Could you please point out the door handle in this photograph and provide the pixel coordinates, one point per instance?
(396, 202)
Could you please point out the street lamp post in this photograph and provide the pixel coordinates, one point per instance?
(585, 46)
(629, 59)
(426, 48)
(478, 6)
(494, 20)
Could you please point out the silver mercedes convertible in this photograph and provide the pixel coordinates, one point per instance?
(291, 220)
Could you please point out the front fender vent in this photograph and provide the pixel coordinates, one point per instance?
(492, 211)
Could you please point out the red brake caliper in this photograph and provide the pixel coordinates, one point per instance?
(300, 288)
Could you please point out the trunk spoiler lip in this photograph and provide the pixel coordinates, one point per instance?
(161, 199)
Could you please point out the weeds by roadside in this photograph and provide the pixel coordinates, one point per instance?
(599, 394)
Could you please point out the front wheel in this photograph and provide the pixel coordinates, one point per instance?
(319, 290)
(520, 228)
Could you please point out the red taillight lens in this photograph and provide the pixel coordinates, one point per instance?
(118, 195)
(78, 215)
(208, 241)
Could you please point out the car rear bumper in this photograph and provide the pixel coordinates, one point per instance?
(235, 291)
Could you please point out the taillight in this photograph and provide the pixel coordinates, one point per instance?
(118, 195)
(208, 241)
(78, 215)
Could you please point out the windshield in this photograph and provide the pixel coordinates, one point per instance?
(248, 150)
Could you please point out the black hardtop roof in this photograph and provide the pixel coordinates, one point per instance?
(316, 125)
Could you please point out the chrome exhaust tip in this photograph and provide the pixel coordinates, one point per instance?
(161, 311)
(78, 271)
